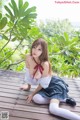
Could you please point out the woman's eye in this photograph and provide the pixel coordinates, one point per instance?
(39, 49)
(34, 47)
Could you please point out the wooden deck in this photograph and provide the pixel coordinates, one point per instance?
(13, 100)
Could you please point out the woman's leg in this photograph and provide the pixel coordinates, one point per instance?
(56, 110)
(37, 98)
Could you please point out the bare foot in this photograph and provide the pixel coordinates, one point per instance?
(25, 87)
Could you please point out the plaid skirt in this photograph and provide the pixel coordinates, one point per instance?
(57, 89)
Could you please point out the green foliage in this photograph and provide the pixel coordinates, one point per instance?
(20, 17)
(20, 20)
(20, 12)
(19, 67)
(4, 54)
(65, 55)
(0, 5)
(51, 28)
(20, 30)
(3, 21)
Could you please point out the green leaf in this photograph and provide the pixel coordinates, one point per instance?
(29, 10)
(75, 39)
(23, 9)
(20, 4)
(15, 9)
(14, 39)
(25, 6)
(32, 15)
(3, 22)
(0, 15)
(8, 10)
(11, 5)
(66, 36)
(5, 37)
(8, 15)
(29, 16)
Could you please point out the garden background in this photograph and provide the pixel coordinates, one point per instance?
(19, 28)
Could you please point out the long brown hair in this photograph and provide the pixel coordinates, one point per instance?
(44, 56)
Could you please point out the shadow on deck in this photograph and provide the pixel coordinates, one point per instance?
(13, 100)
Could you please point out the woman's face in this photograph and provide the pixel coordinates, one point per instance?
(36, 51)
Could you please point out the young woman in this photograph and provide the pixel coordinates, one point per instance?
(51, 89)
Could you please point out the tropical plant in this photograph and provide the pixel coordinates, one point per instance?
(20, 21)
(65, 54)
(19, 29)
(3, 21)
(0, 5)
(56, 27)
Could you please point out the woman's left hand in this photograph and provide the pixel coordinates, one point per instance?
(29, 98)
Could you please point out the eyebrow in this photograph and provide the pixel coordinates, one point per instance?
(40, 47)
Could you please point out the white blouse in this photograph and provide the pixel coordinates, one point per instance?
(43, 81)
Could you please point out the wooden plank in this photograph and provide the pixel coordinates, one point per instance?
(24, 93)
(20, 102)
(9, 87)
(17, 88)
(3, 90)
(24, 97)
(13, 117)
(18, 118)
(14, 100)
(35, 108)
(9, 90)
(30, 115)
(24, 108)
(33, 116)
(10, 82)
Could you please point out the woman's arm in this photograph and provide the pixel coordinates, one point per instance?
(37, 89)
(46, 69)
(29, 97)
(27, 60)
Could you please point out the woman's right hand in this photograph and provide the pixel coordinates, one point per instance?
(29, 98)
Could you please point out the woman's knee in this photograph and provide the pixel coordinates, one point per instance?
(39, 99)
(53, 107)
(35, 97)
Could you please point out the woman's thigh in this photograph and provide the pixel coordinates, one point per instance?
(37, 98)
